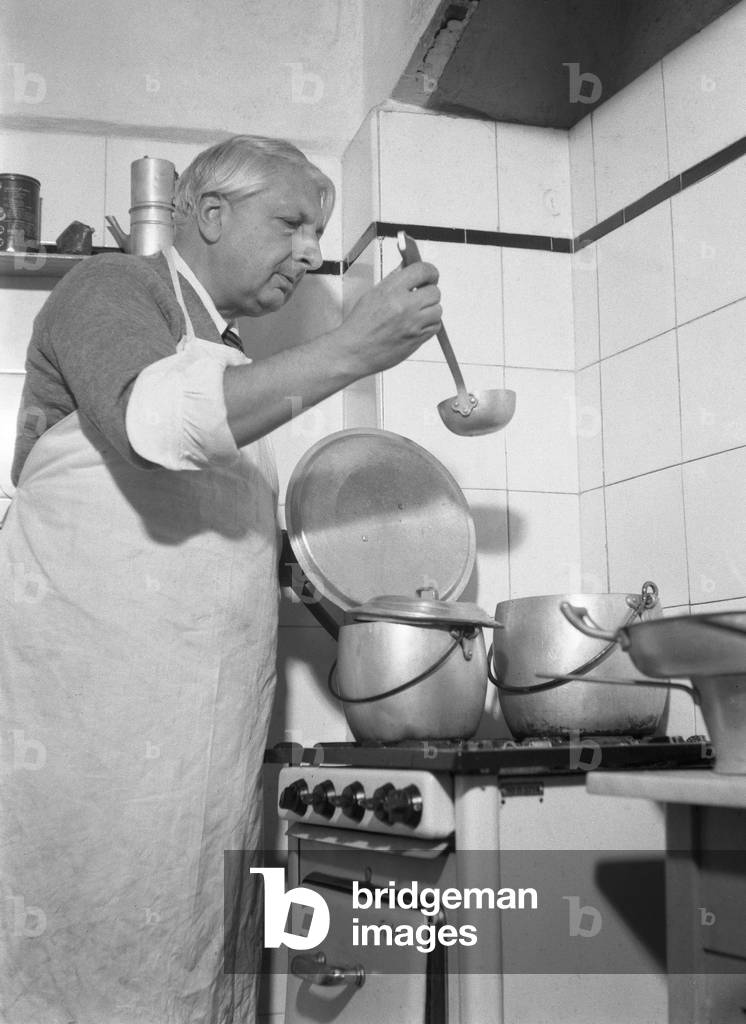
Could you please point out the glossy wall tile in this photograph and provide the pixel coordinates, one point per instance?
(706, 90)
(712, 365)
(636, 281)
(646, 535)
(630, 153)
(709, 227)
(438, 170)
(641, 418)
(533, 180)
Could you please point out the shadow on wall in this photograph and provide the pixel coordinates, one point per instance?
(304, 710)
(490, 576)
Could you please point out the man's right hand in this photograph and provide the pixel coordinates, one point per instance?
(392, 320)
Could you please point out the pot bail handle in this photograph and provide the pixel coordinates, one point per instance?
(580, 618)
(460, 637)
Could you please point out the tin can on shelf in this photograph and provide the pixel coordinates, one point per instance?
(19, 213)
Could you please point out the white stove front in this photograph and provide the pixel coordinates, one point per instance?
(439, 822)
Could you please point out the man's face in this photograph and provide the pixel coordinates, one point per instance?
(267, 243)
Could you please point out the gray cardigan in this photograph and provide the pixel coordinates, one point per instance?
(107, 319)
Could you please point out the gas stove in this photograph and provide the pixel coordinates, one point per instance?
(409, 788)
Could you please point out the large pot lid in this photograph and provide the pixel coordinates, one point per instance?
(399, 608)
(369, 512)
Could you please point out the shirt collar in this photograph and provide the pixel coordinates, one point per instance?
(186, 272)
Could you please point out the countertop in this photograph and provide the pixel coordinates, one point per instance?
(703, 787)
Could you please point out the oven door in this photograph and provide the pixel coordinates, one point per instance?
(352, 980)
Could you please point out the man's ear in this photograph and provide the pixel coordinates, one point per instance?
(210, 216)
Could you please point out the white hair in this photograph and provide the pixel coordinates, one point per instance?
(242, 166)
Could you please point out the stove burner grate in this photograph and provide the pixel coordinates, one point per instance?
(507, 756)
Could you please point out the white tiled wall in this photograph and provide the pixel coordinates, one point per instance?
(640, 394)
(533, 180)
(663, 497)
(705, 88)
(582, 176)
(538, 309)
(437, 170)
(709, 227)
(712, 362)
(629, 139)
(636, 295)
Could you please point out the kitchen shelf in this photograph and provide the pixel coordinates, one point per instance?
(46, 263)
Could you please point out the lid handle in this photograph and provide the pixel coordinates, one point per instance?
(428, 590)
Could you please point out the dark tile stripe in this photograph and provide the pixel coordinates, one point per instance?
(562, 245)
(510, 240)
(599, 230)
(330, 267)
(421, 232)
(650, 199)
(361, 245)
(713, 163)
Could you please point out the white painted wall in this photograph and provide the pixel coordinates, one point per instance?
(305, 69)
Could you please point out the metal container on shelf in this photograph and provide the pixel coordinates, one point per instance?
(152, 182)
(20, 213)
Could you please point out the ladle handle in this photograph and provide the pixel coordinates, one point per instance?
(411, 254)
(453, 366)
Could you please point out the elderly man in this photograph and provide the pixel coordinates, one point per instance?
(138, 592)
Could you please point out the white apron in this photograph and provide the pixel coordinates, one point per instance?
(138, 618)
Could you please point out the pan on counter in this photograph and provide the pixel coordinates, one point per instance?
(710, 650)
(713, 644)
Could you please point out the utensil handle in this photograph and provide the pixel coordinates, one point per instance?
(411, 254)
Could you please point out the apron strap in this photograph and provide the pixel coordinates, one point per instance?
(169, 254)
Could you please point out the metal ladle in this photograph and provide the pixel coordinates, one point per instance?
(467, 413)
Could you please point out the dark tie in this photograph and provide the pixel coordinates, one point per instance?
(231, 338)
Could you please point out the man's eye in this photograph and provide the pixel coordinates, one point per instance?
(291, 222)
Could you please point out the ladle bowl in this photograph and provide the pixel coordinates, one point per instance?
(490, 412)
(466, 413)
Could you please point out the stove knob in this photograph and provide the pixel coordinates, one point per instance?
(351, 801)
(295, 797)
(322, 799)
(403, 806)
(376, 802)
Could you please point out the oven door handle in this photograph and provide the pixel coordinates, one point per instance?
(316, 971)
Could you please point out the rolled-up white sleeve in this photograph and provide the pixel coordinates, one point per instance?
(176, 415)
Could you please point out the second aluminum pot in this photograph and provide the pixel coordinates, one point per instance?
(536, 642)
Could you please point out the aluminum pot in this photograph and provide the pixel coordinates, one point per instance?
(400, 681)
(537, 642)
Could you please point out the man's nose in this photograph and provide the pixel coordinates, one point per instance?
(306, 249)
